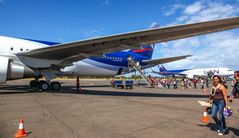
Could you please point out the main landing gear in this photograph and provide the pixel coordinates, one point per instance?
(44, 85)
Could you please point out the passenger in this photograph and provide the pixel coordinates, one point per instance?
(164, 82)
(182, 84)
(112, 83)
(195, 81)
(207, 82)
(235, 90)
(189, 84)
(168, 83)
(151, 81)
(218, 98)
(202, 84)
(78, 83)
(160, 83)
(175, 84)
(186, 83)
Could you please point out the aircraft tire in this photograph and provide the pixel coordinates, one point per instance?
(43, 85)
(55, 86)
(33, 83)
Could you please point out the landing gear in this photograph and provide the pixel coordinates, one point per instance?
(33, 83)
(44, 85)
(55, 85)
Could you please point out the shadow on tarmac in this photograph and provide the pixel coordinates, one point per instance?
(213, 127)
(22, 89)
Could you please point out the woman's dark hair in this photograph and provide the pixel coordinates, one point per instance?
(220, 80)
(237, 73)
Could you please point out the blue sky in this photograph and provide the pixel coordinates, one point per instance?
(72, 20)
(58, 20)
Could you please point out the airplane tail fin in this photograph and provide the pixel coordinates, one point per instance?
(162, 68)
(146, 51)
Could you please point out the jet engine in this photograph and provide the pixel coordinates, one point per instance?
(9, 70)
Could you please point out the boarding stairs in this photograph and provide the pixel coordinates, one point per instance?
(132, 64)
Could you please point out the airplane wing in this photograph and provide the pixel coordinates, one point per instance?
(164, 60)
(74, 51)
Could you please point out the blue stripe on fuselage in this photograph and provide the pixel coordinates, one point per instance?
(176, 71)
(119, 58)
(43, 42)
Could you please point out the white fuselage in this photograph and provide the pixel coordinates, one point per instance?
(86, 67)
(206, 71)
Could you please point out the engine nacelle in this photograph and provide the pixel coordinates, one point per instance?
(10, 70)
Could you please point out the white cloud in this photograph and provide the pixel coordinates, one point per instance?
(89, 33)
(182, 18)
(208, 10)
(173, 9)
(212, 50)
(194, 8)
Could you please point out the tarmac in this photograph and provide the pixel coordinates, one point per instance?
(100, 111)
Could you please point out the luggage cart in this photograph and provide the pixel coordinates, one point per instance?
(118, 83)
(129, 84)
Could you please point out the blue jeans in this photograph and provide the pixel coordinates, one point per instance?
(220, 121)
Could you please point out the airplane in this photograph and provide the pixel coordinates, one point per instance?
(192, 73)
(27, 58)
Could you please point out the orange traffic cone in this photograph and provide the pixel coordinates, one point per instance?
(21, 131)
(205, 118)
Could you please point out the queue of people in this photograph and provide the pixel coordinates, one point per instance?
(182, 83)
(175, 83)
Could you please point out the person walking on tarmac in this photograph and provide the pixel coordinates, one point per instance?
(78, 83)
(235, 90)
(195, 81)
(218, 98)
(207, 82)
(168, 83)
(175, 85)
(202, 84)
